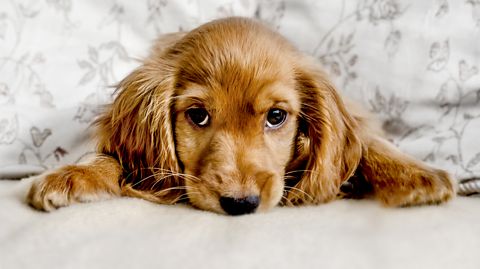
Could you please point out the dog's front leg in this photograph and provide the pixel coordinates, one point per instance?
(94, 178)
(399, 180)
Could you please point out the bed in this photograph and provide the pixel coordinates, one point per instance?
(415, 64)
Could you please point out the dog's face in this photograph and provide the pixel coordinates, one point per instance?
(236, 139)
(235, 116)
(226, 113)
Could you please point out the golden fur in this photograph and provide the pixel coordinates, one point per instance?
(237, 70)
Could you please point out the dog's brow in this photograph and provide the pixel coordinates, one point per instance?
(279, 96)
(282, 104)
(195, 90)
(192, 94)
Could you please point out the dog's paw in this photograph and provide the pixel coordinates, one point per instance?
(430, 186)
(69, 185)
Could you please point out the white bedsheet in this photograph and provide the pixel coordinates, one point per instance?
(414, 63)
(133, 233)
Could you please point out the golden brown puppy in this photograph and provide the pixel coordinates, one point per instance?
(231, 117)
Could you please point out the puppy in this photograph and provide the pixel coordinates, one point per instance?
(232, 118)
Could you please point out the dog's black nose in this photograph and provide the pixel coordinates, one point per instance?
(240, 206)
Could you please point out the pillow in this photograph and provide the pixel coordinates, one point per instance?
(413, 63)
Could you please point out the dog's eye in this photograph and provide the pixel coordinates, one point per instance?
(275, 118)
(199, 116)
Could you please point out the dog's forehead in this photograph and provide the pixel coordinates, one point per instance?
(237, 68)
(235, 54)
(231, 100)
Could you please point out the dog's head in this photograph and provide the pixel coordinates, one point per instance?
(231, 115)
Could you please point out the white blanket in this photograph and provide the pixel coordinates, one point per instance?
(133, 233)
(413, 63)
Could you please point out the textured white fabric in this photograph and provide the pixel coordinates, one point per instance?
(133, 233)
(414, 63)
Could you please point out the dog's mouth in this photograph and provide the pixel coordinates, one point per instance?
(234, 198)
(229, 203)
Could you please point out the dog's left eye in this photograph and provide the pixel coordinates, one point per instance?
(199, 116)
(275, 118)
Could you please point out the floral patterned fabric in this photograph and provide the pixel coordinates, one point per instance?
(414, 63)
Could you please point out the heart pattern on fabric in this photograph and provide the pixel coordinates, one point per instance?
(39, 137)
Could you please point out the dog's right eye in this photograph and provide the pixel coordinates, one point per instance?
(199, 116)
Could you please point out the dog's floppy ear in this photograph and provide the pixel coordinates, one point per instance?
(137, 130)
(331, 135)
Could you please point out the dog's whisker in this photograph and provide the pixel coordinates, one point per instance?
(304, 171)
(179, 198)
(180, 175)
(307, 105)
(296, 194)
(306, 116)
(185, 176)
(289, 177)
(140, 169)
(176, 188)
(297, 189)
(157, 180)
(142, 180)
(164, 174)
(170, 189)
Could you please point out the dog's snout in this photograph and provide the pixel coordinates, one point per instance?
(240, 206)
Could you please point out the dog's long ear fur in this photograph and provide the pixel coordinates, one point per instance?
(334, 139)
(137, 130)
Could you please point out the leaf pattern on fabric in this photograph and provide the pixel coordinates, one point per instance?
(439, 55)
(475, 10)
(271, 12)
(8, 130)
(414, 64)
(442, 9)
(384, 10)
(466, 72)
(392, 43)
